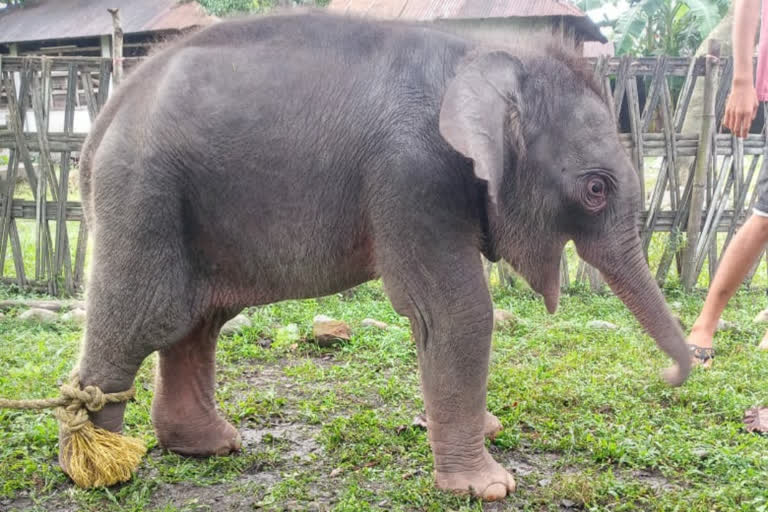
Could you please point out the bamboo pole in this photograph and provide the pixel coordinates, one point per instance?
(702, 163)
(117, 46)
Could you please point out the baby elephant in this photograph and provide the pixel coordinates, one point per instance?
(301, 154)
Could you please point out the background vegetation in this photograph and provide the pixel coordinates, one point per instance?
(656, 27)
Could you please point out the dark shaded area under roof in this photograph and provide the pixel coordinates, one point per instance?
(38, 20)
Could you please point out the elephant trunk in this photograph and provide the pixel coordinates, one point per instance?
(625, 270)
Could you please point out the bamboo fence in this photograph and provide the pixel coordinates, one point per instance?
(663, 156)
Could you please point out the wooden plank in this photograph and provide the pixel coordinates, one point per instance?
(43, 249)
(63, 257)
(702, 164)
(8, 230)
(25, 209)
(723, 89)
(90, 96)
(21, 278)
(104, 79)
(117, 46)
(621, 84)
(16, 123)
(664, 176)
(714, 214)
(675, 232)
(656, 87)
(633, 104)
(20, 153)
(57, 142)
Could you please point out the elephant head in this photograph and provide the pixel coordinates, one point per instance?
(545, 143)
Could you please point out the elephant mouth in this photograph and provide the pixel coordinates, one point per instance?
(541, 269)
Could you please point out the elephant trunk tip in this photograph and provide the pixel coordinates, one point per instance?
(676, 374)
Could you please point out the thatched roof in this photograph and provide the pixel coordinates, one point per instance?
(430, 10)
(38, 20)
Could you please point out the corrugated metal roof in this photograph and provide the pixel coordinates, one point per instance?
(427, 10)
(65, 19)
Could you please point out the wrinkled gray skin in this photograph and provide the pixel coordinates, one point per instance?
(242, 166)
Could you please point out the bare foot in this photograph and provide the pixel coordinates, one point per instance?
(764, 343)
(701, 338)
(207, 436)
(487, 479)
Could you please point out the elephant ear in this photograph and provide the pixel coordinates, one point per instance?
(481, 102)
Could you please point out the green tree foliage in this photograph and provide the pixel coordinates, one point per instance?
(225, 7)
(661, 27)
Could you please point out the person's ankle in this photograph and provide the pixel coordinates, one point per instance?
(702, 333)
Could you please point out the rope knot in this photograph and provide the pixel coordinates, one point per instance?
(76, 402)
(90, 397)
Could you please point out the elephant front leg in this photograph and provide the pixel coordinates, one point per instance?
(451, 317)
(454, 386)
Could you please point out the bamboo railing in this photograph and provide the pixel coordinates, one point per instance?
(664, 157)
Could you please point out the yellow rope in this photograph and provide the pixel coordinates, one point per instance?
(93, 456)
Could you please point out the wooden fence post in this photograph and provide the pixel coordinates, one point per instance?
(117, 46)
(703, 154)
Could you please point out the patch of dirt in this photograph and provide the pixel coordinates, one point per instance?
(653, 479)
(213, 497)
(57, 501)
(299, 438)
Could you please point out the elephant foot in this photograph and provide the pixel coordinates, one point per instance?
(207, 436)
(484, 478)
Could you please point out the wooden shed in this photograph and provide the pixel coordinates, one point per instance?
(498, 21)
(83, 28)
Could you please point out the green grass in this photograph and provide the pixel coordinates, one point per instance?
(586, 417)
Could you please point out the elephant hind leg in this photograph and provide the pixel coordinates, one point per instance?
(133, 309)
(184, 408)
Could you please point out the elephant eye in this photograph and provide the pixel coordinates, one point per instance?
(593, 196)
(596, 186)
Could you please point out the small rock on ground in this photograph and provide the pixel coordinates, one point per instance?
(503, 319)
(42, 316)
(76, 315)
(601, 324)
(237, 324)
(725, 325)
(370, 322)
(326, 331)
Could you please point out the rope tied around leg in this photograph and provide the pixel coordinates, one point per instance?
(91, 456)
(73, 404)
(74, 415)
